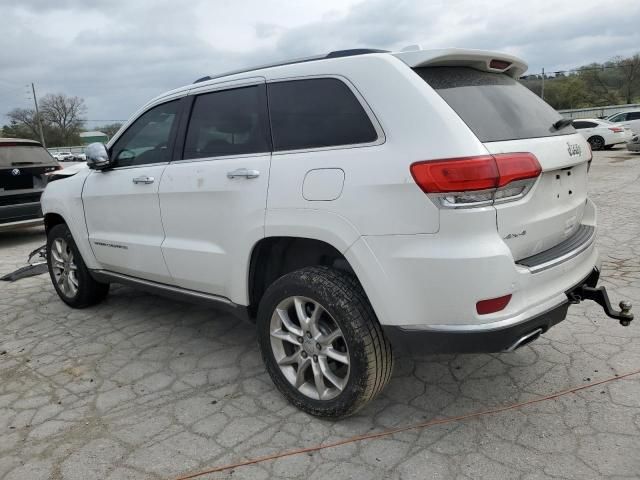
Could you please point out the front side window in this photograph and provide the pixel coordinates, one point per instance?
(228, 122)
(319, 112)
(147, 140)
(633, 116)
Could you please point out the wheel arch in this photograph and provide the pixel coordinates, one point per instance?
(273, 257)
(51, 220)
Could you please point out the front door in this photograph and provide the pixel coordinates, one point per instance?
(121, 204)
(213, 199)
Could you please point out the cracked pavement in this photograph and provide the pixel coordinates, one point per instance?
(141, 387)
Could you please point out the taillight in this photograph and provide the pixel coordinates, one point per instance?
(616, 129)
(492, 305)
(477, 181)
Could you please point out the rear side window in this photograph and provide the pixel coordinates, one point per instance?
(633, 116)
(494, 106)
(228, 122)
(579, 124)
(23, 155)
(318, 112)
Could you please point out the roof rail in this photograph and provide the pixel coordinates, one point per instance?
(335, 54)
(353, 51)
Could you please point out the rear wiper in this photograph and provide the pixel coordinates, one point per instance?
(562, 123)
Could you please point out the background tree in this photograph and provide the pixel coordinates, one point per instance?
(594, 85)
(24, 123)
(630, 68)
(66, 114)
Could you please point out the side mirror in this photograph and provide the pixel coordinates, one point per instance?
(97, 156)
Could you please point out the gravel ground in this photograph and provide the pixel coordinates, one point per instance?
(143, 387)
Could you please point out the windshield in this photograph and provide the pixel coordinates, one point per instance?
(495, 106)
(17, 155)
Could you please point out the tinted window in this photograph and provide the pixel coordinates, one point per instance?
(633, 116)
(17, 155)
(147, 140)
(619, 118)
(494, 106)
(579, 124)
(319, 112)
(228, 122)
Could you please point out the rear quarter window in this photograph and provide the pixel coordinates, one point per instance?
(319, 112)
(495, 106)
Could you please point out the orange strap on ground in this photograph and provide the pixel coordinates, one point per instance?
(392, 431)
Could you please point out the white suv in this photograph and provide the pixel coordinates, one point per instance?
(345, 203)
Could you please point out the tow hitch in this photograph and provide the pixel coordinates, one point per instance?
(589, 291)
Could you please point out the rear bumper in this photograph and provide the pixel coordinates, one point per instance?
(488, 338)
(21, 224)
(19, 212)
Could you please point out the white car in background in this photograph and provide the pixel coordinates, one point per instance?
(602, 134)
(63, 156)
(629, 120)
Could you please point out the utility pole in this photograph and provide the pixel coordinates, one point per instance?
(35, 101)
(542, 93)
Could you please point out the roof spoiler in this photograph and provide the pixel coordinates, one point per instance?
(483, 60)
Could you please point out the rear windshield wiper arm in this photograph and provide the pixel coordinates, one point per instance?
(562, 123)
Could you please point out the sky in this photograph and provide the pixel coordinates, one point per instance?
(118, 54)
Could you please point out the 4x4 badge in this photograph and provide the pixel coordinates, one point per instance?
(574, 149)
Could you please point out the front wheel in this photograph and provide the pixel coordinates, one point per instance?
(322, 343)
(69, 275)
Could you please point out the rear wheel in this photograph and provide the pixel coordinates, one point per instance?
(321, 342)
(596, 142)
(69, 275)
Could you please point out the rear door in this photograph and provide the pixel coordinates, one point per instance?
(213, 198)
(508, 118)
(121, 204)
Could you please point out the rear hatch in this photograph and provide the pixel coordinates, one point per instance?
(23, 168)
(508, 118)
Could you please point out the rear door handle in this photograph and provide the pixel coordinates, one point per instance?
(144, 179)
(243, 172)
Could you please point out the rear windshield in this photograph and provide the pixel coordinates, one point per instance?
(24, 156)
(494, 106)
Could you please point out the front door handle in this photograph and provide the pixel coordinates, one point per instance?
(144, 179)
(243, 172)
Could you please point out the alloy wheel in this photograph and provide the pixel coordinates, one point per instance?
(64, 267)
(309, 348)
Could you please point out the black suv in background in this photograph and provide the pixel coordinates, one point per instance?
(23, 168)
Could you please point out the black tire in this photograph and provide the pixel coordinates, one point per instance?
(343, 299)
(89, 292)
(596, 142)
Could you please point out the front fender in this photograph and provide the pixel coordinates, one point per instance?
(64, 197)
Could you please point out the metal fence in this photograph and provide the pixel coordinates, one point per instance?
(598, 112)
(76, 149)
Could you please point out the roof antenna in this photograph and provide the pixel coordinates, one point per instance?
(412, 48)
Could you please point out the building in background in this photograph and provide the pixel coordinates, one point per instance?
(91, 137)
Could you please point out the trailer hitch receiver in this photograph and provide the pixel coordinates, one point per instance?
(600, 296)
